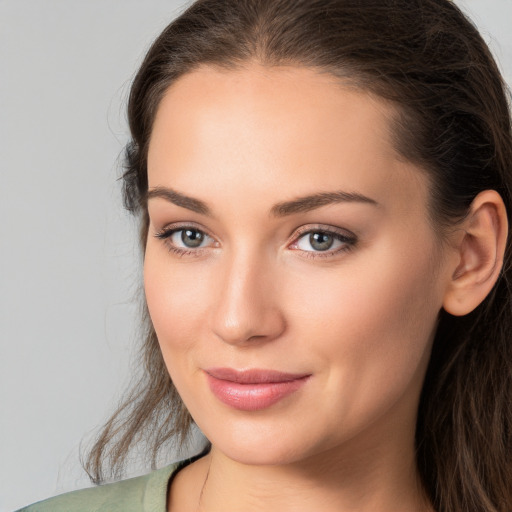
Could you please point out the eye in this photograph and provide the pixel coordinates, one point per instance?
(185, 239)
(319, 241)
(189, 238)
(323, 241)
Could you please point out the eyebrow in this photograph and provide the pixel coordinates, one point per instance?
(299, 205)
(190, 203)
(314, 201)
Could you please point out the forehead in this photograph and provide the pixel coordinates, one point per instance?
(271, 129)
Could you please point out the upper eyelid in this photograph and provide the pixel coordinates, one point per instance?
(303, 230)
(178, 226)
(182, 225)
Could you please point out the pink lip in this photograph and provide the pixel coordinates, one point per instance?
(252, 390)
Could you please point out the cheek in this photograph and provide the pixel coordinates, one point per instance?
(387, 292)
(371, 325)
(176, 300)
(175, 303)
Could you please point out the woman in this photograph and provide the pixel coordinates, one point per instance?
(323, 189)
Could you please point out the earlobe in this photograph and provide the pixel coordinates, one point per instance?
(480, 253)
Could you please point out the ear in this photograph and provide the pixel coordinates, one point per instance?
(479, 254)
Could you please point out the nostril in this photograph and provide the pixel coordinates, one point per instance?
(250, 327)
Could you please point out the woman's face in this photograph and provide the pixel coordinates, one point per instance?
(291, 273)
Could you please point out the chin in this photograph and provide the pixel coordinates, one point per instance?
(262, 455)
(261, 445)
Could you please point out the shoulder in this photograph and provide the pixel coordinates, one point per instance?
(146, 493)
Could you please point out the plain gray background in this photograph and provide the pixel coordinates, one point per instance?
(69, 260)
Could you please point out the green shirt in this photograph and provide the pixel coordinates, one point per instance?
(146, 493)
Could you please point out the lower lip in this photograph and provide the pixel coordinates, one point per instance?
(254, 396)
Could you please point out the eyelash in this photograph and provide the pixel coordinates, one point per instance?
(348, 240)
(166, 233)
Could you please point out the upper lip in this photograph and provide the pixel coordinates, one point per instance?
(253, 375)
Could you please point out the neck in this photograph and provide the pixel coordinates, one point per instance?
(318, 484)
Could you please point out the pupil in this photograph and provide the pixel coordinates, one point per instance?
(191, 238)
(321, 241)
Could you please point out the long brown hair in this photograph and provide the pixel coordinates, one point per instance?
(453, 121)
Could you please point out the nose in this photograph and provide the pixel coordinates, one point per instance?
(247, 307)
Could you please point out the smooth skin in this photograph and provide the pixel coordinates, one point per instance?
(346, 288)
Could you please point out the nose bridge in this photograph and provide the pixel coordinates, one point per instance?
(246, 306)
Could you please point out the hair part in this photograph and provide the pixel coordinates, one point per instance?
(453, 121)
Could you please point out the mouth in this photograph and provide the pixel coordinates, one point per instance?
(253, 389)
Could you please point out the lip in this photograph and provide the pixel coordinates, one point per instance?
(253, 389)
